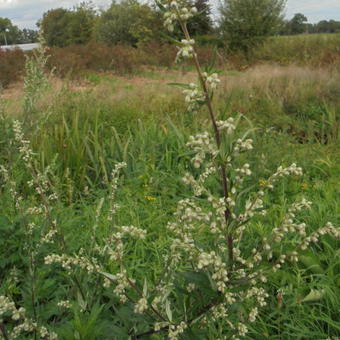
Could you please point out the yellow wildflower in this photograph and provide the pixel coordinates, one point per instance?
(150, 198)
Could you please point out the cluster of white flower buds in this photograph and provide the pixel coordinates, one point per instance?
(212, 80)
(281, 172)
(123, 282)
(329, 229)
(176, 330)
(8, 309)
(194, 97)
(288, 224)
(141, 305)
(226, 125)
(24, 145)
(68, 262)
(243, 145)
(64, 304)
(114, 183)
(202, 144)
(185, 49)
(177, 10)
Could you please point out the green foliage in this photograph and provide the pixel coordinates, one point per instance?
(245, 24)
(297, 24)
(35, 81)
(128, 22)
(9, 33)
(11, 66)
(75, 148)
(63, 27)
(201, 24)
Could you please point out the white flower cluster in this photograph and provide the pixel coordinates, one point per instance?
(114, 184)
(177, 10)
(202, 144)
(176, 330)
(8, 309)
(253, 314)
(116, 251)
(281, 172)
(329, 229)
(219, 269)
(24, 145)
(185, 49)
(226, 125)
(17, 199)
(244, 171)
(141, 305)
(288, 224)
(48, 237)
(68, 262)
(243, 145)
(212, 80)
(259, 294)
(123, 282)
(64, 304)
(194, 97)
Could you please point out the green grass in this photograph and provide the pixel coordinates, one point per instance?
(309, 49)
(86, 133)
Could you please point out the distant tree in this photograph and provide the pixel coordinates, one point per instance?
(64, 27)
(28, 36)
(55, 24)
(244, 24)
(9, 33)
(201, 23)
(128, 22)
(298, 24)
(81, 24)
(330, 26)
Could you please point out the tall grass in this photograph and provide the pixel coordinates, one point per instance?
(78, 136)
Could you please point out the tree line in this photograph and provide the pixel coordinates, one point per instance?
(241, 24)
(11, 34)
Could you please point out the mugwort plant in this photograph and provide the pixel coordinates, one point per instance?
(222, 247)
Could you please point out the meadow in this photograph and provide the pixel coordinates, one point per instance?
(59, 196)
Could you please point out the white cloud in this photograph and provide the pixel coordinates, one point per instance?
(25, 13)
(315, 10)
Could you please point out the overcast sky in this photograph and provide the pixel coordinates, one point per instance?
(25, 13)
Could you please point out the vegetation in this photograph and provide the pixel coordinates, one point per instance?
(246, 23)
(298, 24)
(63, 27)
(130, 213)
(317, 50)
(11, 34)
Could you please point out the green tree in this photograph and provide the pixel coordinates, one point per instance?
(9, 33)
(298, 24)
(244, 24)
(64, 27)
(201, 23)
(81, 24)
(128, 22)
(28, 36)
(54, 25)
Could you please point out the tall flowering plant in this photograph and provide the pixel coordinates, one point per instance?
(222, 248)
(213, 282)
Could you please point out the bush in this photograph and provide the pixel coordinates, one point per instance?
(11, 66)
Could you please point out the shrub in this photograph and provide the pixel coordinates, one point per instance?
(12, 63)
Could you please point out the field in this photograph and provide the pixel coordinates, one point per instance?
(57, 199)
